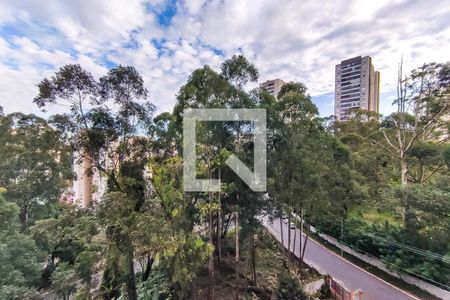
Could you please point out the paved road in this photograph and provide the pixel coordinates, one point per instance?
(327, 262)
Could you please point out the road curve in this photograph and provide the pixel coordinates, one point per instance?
(327, 262)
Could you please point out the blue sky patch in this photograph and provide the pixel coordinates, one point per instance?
(165, 16)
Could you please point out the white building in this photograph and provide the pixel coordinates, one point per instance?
(357, 86)
(272, 87)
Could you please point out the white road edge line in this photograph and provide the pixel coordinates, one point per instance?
(349, 262)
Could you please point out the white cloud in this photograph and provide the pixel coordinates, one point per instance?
(293, 40)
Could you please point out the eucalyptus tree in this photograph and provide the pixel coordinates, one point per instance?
(206, 88)
(295, 113)
(419, 126)
(239, 71)
(103, 126)
(311, 169)
(104, 116)
(184, 252)
(36, 165)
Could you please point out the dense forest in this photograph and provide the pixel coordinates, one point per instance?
(382, 181)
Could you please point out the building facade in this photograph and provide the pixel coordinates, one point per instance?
(89, 184)
(272, 87)
(357, 86)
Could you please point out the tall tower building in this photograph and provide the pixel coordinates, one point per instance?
(357, 86)
(272, 87)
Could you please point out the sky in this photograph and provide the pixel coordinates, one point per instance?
(165, 41)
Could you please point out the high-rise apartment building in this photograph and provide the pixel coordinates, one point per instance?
(272, 87)
(357, 86)
(89, 185)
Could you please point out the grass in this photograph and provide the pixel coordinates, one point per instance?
(373, 215)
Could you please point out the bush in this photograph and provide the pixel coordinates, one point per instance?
(324, 292)
(289, 288)
(157, 287)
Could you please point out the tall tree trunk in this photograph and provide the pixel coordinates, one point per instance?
(302, 255)
(219, 226)
(300, 264)
(109, 285)
(283, 249)
(289, 234)
(404, 167)
(253, 257)
(211, 258)
(27, 218)
(236, 272)
(227, 225)
(294, 243)
(131, 276)
(408, 213)
(148, 268)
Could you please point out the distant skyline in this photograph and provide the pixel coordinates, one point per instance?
(167, 40)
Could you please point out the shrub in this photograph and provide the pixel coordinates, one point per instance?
(289, 288)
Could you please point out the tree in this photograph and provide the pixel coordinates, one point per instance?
(163, 136)
(36, 166)
(413, 141)
(65, 238)
(239, 71)
(64, 281)
(20, 260)
(423, 99)
(423, 253)
(293, 129)
(107, 138)
(208, 89)
(317, 169)
(182, 250)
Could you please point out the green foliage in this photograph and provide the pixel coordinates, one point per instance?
(289, 288)
(157, 287)
(432, 207)
(324, 169)
(64, 280)
(67, 235)
(83, 292)
(184, 263)
(69, 81)
(35, 167)
(239, 71)
(375, 232)
(14, 292)
(317, 169)
(20, 260)
(85, 263)
(446, 155)
(99, 134)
